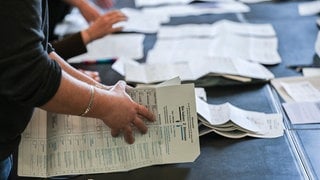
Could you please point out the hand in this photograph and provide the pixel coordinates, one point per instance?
(105, 4)
(103, 26)
(92, 74)
(125, 114)
(88, 11)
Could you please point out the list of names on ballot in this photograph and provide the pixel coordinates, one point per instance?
(56, 144)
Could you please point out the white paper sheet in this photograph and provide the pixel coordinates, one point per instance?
(233, 122)
(219, 27)
(309, 8)
(139, 21)
(303, 112)
(277, 84)
(111, 46)
(189, 10)
(261, 50)
(191, 71)
(302, 91)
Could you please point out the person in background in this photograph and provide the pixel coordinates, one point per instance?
(33, 75)
(100, 26)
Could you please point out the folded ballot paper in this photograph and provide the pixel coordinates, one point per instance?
(233, 122)
(207, 72)
(58, 145)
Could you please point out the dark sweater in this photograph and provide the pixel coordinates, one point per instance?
(29, 78)
(70, 46)
(67, 47)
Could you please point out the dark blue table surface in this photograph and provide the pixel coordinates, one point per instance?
(286, 157)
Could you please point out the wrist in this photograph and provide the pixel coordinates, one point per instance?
(86, 38)
(102, 86)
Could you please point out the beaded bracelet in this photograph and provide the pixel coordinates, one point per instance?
(90, 101)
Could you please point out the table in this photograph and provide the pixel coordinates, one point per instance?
(293, 156)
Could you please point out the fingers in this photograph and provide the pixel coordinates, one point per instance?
(115, 132)
(120, 86)
(92, 74)
(128, 134)
(140, 125)
(143, 111)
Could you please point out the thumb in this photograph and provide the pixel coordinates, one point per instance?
(120, 86)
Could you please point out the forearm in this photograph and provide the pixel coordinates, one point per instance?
(72, 71)
(67, 101)
(76, 3)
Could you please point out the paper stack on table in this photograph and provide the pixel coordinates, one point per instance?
(233, 122)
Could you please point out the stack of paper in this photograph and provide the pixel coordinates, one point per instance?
(57, 144)
(301, 96)
(232, 122)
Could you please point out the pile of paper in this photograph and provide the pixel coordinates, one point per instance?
(301, 96)
(233, 122)
(58, 144)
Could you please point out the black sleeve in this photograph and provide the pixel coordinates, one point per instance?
(27, 75)
(70, 46)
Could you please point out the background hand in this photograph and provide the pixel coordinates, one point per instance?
(104, 25)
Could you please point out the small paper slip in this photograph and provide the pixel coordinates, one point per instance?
(302, 91)
(309, 8)
(278, 82)
(303, 112)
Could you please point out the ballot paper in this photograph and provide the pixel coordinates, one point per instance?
(233, 122)
(57, 144)
(297, 88)
(113, 46)
(261, 50)
(303, 112)
(140, 3)
(309, 8)
(193, 10)
(194, 70)
(141, 22)
(211, 30)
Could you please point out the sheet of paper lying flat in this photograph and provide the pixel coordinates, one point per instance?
(191, 71)
(56, 144)
(177, 50)
(139, 21)
(311, 71)
(261, 50)
(302, 91)
(296, 81)
(113, 46)
(140, 3)
(309, 8)
(211, 30)
(189, 10)
(303, 112)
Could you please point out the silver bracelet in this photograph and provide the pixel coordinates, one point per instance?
(90, 101)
